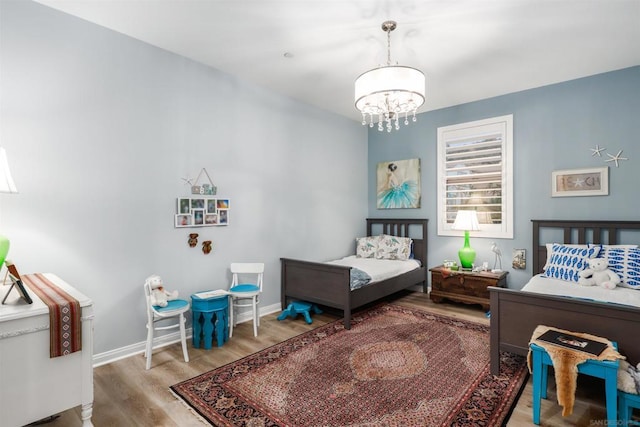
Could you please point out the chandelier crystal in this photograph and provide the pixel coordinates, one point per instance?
(389, 92)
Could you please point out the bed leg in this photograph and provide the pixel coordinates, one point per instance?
(347, 318)
(425, 287)
(495, 361)
(494, 333)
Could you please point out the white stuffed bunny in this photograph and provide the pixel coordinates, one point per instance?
(598, 274)
(159, 296)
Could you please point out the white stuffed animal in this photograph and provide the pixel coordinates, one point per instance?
(598, 274)
(628, 377)
(160, 296)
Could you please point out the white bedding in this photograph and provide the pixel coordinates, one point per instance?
(545, 285)
(379, 269)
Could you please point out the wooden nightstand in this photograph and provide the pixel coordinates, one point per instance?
(464, 286)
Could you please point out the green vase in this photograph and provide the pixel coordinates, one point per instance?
(4, 249)
(467, 254)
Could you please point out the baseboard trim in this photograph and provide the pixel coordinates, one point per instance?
(165, 340)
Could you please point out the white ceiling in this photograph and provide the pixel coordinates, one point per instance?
(313, 50)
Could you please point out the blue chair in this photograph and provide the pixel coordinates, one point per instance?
(606, 369)
(626, 403)
(246, 286)
(175, 309)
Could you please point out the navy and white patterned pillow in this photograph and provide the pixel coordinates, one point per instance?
(625, 262)
(550, 251)
(566, 262)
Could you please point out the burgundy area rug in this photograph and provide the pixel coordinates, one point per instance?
(395, 367)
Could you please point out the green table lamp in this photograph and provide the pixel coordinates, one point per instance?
(466, 221)
(4, 249)
(6, 186)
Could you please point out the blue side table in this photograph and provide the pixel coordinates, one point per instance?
(300, 307)
(210, 317)
(606, 369)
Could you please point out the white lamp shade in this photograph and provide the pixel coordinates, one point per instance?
(405, 84)
(6, 181)
(466, 221)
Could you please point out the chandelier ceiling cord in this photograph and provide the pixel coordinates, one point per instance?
(389, 91)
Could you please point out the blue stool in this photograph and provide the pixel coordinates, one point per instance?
(626, 403)
(300, 307)
(606, 369)
(210, 317)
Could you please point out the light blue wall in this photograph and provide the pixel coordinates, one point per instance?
(100, 128)
(554, 128)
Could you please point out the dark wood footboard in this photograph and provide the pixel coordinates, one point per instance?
(515, 314)
(329, 285)
(316, 282)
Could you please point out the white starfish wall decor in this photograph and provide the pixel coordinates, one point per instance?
(597, 150)
(618, 157)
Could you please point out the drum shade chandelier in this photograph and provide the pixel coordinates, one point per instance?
(389, 92)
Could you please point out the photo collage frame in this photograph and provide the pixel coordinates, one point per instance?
(202, 212)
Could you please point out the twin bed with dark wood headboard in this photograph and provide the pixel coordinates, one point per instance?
(515, 314)
(329, 285)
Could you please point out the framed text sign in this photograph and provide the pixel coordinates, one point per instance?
(580, 182)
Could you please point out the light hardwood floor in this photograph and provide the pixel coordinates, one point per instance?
(128, 395)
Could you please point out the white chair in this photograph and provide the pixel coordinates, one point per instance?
(246, 286)
(174, 309)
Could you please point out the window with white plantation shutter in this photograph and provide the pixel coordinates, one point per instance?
(475, 173)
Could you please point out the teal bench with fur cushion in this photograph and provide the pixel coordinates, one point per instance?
(605, 369)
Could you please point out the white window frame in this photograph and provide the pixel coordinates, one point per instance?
(502, 125)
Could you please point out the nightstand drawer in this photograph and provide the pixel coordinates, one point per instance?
(464, 286)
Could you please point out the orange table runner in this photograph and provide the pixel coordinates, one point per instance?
(65, 325)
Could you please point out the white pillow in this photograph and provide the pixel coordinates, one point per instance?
(566, 261)
(367, 247)
(393, 247)
(550, 248)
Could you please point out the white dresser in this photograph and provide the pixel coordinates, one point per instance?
(32, 385)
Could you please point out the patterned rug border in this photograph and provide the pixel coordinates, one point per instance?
(461, 415)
